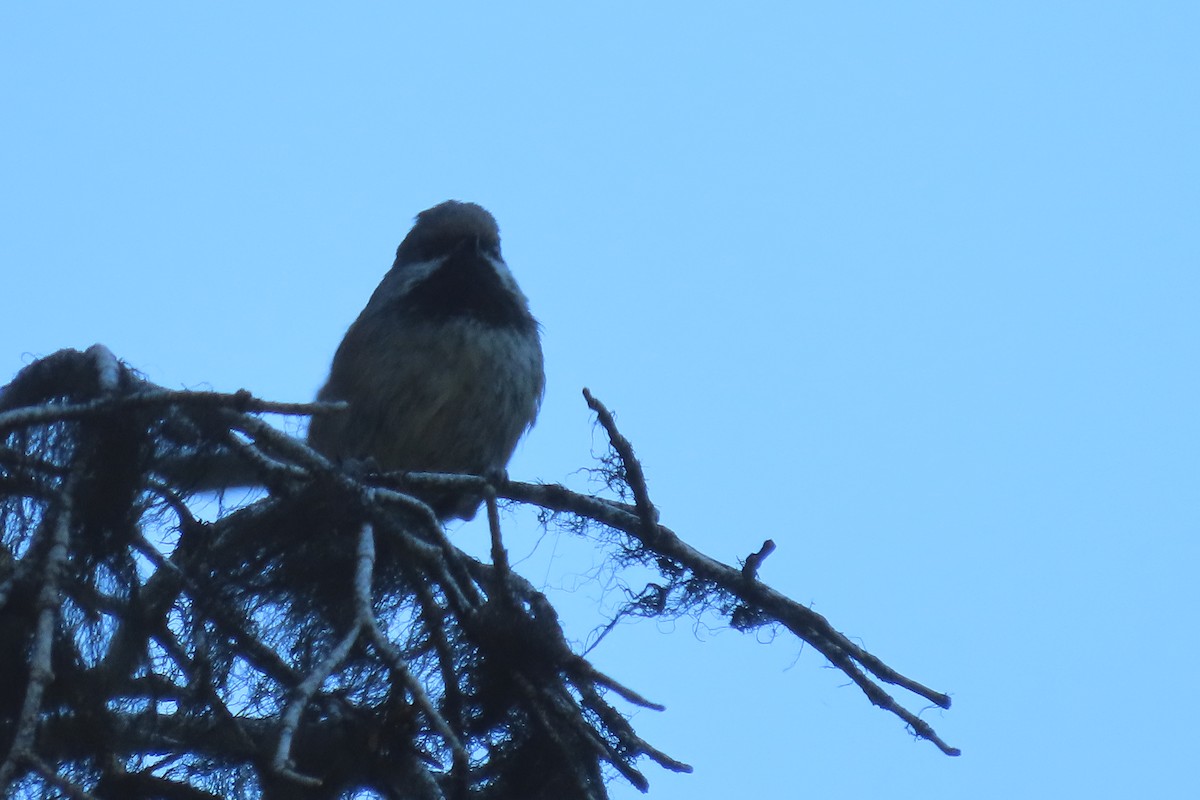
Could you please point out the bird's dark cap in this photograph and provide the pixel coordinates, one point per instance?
(439, 230)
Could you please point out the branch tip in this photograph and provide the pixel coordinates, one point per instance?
(755, 560)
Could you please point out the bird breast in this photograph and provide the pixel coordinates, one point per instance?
(448, 397)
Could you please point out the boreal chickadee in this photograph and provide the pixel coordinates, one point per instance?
(442, 370)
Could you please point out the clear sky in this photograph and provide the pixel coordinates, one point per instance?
(911, 288)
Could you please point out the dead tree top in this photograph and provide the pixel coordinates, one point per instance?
(323, 640)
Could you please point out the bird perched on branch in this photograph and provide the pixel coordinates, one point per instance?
(442, 370)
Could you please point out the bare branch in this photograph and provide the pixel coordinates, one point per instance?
(805, 623)
(395, 661)
(300, 695)
(755, 560)
(40, 671)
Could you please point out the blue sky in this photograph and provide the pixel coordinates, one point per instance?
(910, 288)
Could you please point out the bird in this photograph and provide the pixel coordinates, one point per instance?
(443, 369)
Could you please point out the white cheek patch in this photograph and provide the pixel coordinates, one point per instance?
(505, 275)
(412, 274)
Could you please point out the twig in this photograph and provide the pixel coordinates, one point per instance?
(634, 476)
(573, 723)
(585, 670)
(499, 554)
(300, 695)
(437, 556)
(62, 784)
(366, 619)
(41, 672)
(755, 560)
(155, 396)
(625, 732)
(433, 619)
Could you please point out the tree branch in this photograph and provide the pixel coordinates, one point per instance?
(325, 639)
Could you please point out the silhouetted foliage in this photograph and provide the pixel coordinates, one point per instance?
(325, 641)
